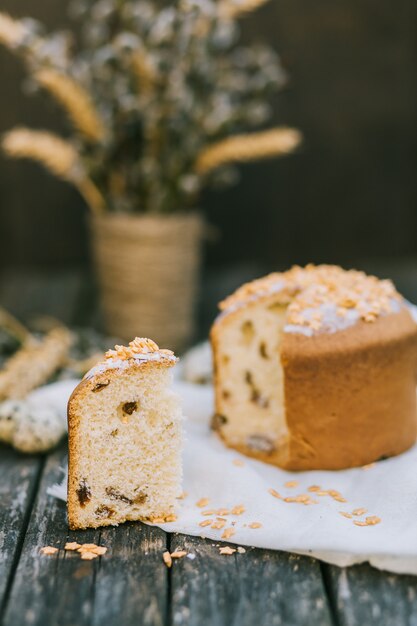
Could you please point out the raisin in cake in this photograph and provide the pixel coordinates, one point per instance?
(125, 439)
(315, 368)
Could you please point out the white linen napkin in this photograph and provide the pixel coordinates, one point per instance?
(226, 479)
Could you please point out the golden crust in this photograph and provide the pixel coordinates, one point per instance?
(351, 397)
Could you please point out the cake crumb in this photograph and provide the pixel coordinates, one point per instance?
(217, 525)
(88, 556)
(241, 550)
(302, 498)
(372, 520)
(345, 514)
(314, 488)
(229, 532)
(238, 462)
(359, 511)
(72, 545)
(205, 522)
(202, 502)
(49, 550)
(238, 509)
(170, 518)
(208, 512)
(255, 525)
(275, 493)
(222, 512)
(167, 559)
(227, 550)
(87, 547)
(182, 496)
(291, 483)
(178, 554)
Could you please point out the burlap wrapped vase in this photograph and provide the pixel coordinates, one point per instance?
(148, 270)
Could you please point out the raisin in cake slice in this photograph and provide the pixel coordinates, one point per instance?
(125, 439)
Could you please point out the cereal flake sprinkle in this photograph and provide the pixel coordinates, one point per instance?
(320, 298)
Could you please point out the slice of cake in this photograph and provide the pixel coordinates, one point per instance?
(125, 439)
(315, 368)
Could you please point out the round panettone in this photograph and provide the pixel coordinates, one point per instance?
(315, 368)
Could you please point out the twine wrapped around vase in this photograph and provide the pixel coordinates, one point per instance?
(148, 269)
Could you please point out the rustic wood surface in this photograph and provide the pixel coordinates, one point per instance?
(130, 585)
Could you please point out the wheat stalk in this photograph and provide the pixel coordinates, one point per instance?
(11, 31)
(76, 102)
(234, 9)
(241, 148)
(144, 72)
(57, 156)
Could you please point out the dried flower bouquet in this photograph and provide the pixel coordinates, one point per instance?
(160, 96)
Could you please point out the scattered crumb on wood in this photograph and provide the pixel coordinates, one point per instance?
(227, 550)
(89, 556)
(178, 554)
(167, 559)
(72, 545)
(49, 550)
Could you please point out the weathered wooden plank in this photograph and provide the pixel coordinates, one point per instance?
(133, 576)
(18, 482)
(259, 587)
(127, 584)
(364, 595)
(26, 294)
(51, 589)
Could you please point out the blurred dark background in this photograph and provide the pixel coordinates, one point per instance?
(348, 196)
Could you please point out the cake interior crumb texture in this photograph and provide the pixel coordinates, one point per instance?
(125, 447)
(248, 364)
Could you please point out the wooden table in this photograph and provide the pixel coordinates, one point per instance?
(130, 585)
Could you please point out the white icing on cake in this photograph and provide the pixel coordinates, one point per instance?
(136, 359)
(321, 299)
